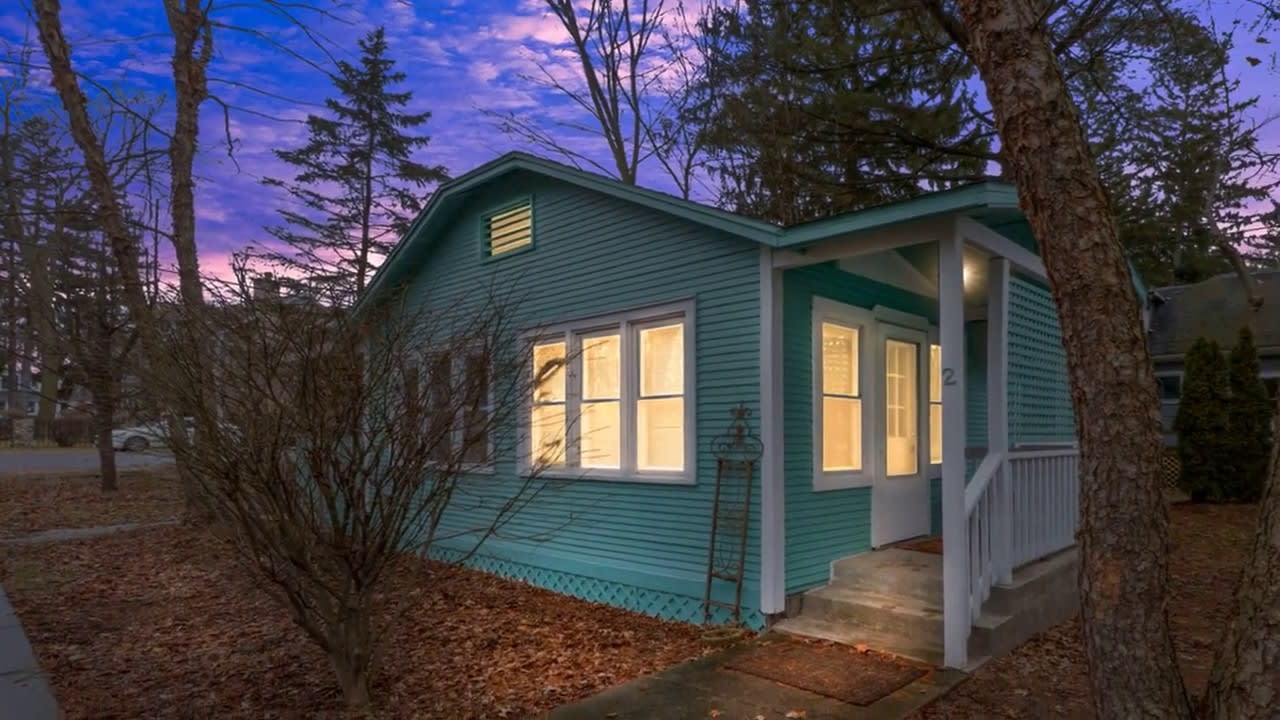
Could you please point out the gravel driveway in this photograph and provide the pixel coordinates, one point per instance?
(17, 460)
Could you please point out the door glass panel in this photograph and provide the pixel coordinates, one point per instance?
(902, 423)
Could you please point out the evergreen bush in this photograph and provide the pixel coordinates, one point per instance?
(1249, 419)
(1202, 423)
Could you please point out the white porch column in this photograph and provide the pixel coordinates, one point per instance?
(998, 408)
(955, 540)
(773, 593)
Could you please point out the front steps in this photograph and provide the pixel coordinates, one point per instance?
(891, 600)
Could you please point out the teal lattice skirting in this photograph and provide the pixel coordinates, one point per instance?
(649, 601)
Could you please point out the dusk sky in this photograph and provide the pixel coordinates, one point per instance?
(460, 56)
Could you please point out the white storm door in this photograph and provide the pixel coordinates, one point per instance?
(900, 493)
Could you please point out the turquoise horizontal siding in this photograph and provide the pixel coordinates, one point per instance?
(822, 526)
(1040, 408)
(637, 545)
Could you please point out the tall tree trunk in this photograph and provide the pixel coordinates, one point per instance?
(1124, 521)
(1245, 682)
(110, 211)
(192, 51)
(103, 417)
(192, 48)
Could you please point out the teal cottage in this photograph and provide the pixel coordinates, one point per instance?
(902, 365)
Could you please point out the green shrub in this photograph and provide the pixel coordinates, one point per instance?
(1202, 424)
(1249, 419)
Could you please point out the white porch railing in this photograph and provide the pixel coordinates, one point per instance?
(1046, 502)
(1018, 509)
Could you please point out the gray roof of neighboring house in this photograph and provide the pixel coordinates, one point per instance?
(1215, 309)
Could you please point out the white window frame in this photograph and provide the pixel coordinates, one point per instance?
(627, 324)
(826, 310)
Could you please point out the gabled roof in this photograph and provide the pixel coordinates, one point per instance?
(1215, 309)
(977, 198)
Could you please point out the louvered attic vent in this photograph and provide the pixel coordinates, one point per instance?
(509, 229)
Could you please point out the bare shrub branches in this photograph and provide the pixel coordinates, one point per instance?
(328, 445)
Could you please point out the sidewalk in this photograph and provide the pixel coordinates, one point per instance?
(24, 692)
(695, 689)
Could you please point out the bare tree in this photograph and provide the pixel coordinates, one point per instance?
(332, 447)
(634, 78)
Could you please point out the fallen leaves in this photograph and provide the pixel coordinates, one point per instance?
(162, 624)
(796, 714)
(31, 504)
(1048, 677)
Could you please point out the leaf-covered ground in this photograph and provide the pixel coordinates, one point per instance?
(1047, 677)
(162, 624)
(30, 504)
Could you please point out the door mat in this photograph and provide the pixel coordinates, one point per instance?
(932, 545)
(836, 671)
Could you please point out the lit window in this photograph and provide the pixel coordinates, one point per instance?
(935, 404)
(619, 405)
(841, 399)
(547, 426)
(600, 424)
(660, 408)
(902, 429)
(509, 229)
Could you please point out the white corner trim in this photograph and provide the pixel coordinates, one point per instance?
(773, 563)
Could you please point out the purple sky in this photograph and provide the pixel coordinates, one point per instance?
(460, 55)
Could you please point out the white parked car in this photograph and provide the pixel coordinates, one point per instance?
(138, 438)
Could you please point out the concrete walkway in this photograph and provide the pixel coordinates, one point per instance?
(694, 689)
(66, 534)
(24, 691)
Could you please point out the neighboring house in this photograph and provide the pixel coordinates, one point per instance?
(25, 400)
(904, 369)
(1214, 309)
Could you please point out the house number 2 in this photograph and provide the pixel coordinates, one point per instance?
(948, 376)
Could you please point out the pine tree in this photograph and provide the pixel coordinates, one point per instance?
(811, 109)
(1202, 423)
(1250, 420)
(358, 184)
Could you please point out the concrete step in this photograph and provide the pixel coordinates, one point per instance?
(874, 611)
(992, 635)
(923, 648)
(892, 571)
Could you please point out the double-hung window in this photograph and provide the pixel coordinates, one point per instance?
(620, 405)
(841, 399)
(458, 400)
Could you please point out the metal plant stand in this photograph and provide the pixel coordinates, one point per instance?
(737, 452)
